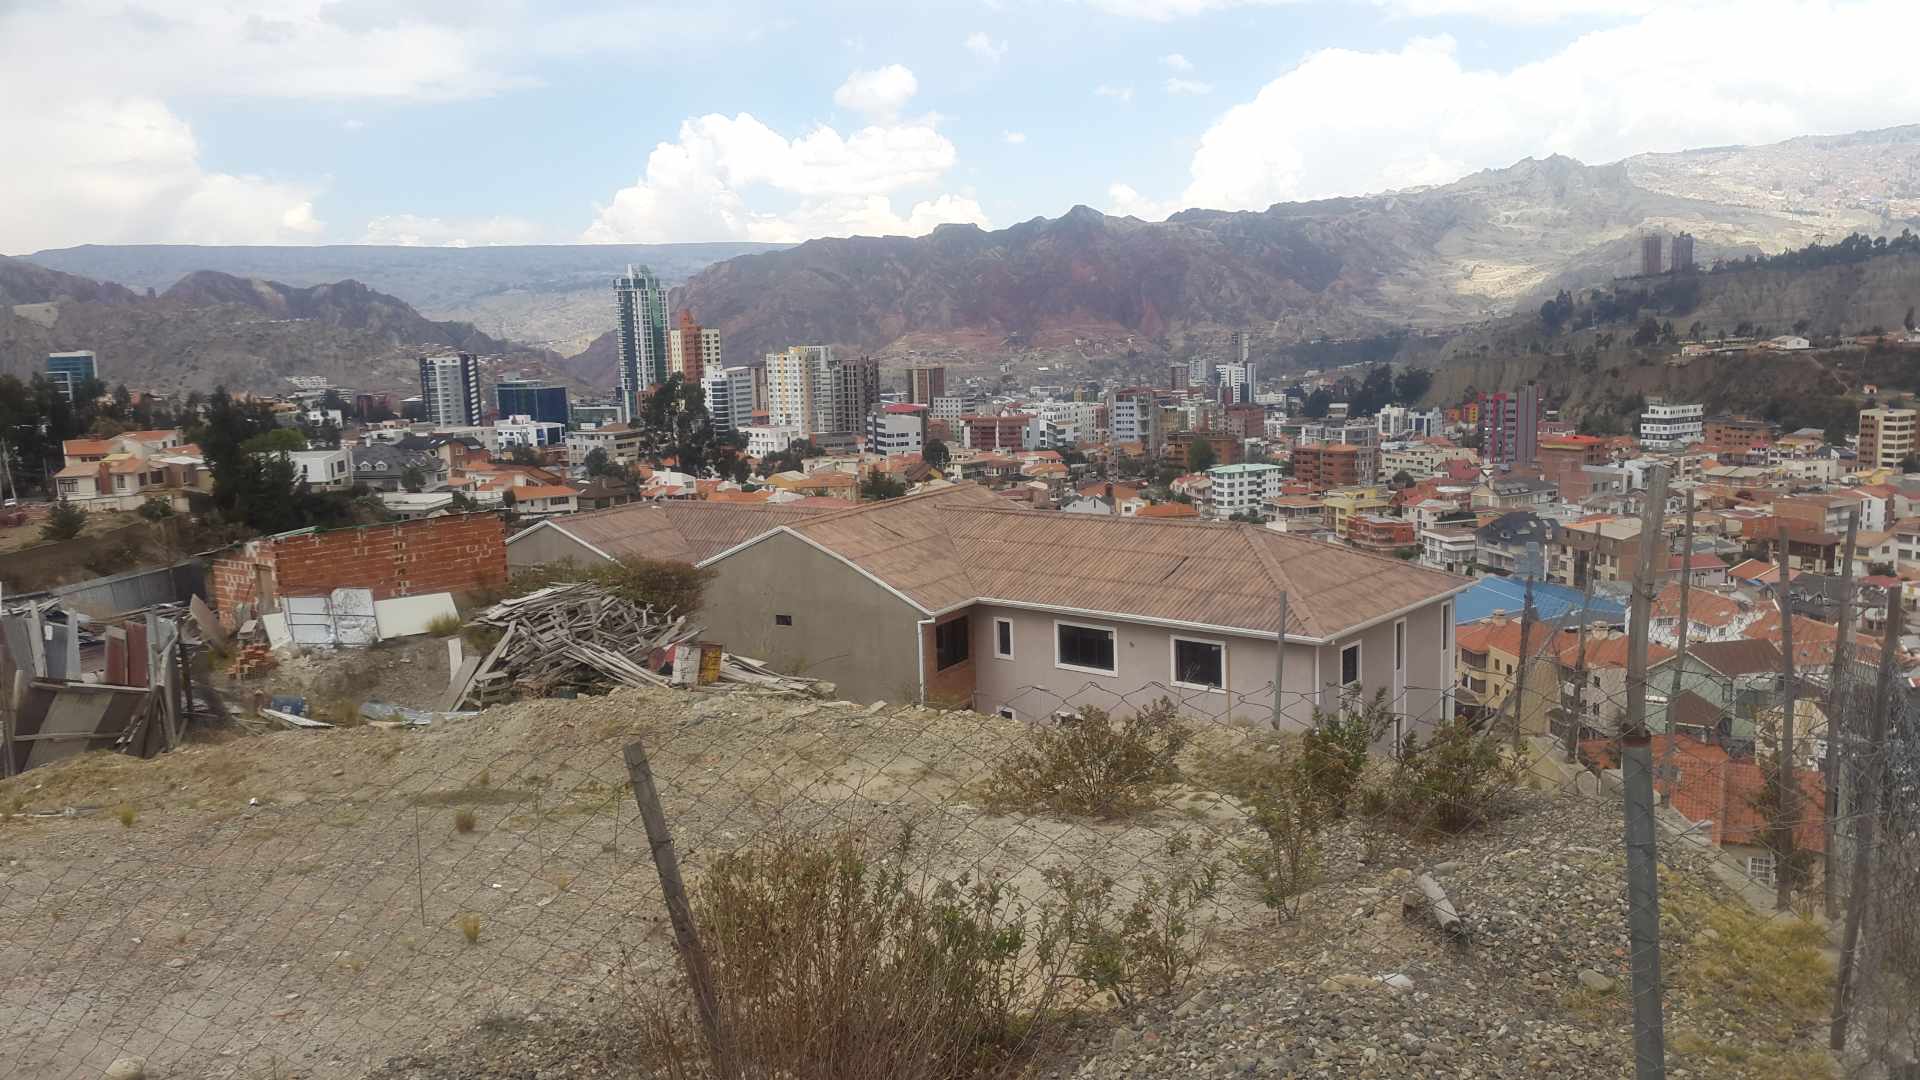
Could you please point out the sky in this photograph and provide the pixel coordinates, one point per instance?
(449, 122)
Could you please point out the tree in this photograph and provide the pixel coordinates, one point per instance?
(1908, 321)
(936, 454)
(1200, 456)
(674, 422)
(1316, 405)
(413, 479)
(599, 464)
(64, 522)
(523, 454)
(1411, 385)
(1402, 479)
(877, 486)
(156, 508)
(277, 441)
(1647, 332)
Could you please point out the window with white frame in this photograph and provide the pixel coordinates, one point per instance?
(1199, 663)
(1760, 869)
(1003, 638)
(1350, 666)
(1084, 648)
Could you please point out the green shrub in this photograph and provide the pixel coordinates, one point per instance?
(1152, 946)
(1454, 782)
(156, 508)
(445, 625)
(64, 522)
(1094, 763)
(832, 965)
(1286, 865)
(1334, 754)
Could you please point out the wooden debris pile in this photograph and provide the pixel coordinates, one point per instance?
(581, 637)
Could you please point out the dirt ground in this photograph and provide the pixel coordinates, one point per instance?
(409, 671)
(28, 535)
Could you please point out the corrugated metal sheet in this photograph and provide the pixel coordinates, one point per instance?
(103, 597)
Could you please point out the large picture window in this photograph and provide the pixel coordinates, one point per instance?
(1201, 664)
(1084, 648)
(950, 643)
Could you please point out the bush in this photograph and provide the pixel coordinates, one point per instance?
(156, 508)
(1152, 947)
(1334, 755)
(831, 965)
(445, 625)
(1453, 783)
(1288, 863)
(1093, 763)
(64, 522)
(663, 584)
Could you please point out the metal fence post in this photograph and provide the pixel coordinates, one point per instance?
(1643, 854)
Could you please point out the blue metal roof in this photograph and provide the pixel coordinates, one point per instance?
(1491, 594)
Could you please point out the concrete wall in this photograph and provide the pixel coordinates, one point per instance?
(538, 546)
(845, 628)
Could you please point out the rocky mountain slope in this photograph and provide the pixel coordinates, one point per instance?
(1480, 247)
(215, 329)
(554, 295)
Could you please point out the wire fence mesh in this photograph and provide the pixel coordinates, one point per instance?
(1219, 897)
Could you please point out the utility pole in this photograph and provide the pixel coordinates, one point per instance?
(1643, 854)
(1680, 635)
(1868, 782)
(1783, 751)
(1580, 676)
(1520, 679)
(1836, 710)
(1280, 666)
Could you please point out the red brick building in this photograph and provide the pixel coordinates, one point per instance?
(409, 558)
(1226, 448)
(1380, 534)
(1327, 466)
(995, 432)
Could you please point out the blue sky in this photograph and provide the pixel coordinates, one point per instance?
(433, 121)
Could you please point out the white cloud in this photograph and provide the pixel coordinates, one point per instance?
(413, 230)
(1176, 62)
(1122, 94)
(984, 48)
(698, 187)
(1124, 201)
(128, 170)
(1191, 87)
(1014, 138)
(1169, 10)
(1344, 122)
(878, 93)
(1524, 11)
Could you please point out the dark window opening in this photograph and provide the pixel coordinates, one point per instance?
(783, 620)
(949, 643)
(1086, 647)
(1003, 636)
(1199, 663)
(1350, 665)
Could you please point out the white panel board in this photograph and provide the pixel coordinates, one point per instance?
(404, 616)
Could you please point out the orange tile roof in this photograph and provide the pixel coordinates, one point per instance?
(86, 447)
(1167, 510)
(752, 497)
(1704, 606)
(1704, 784)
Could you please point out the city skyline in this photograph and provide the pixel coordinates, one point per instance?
(339, 122)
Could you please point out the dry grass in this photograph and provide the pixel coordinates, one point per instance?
(463, 821)
(445, 625)
(126, 814)
(470, 927)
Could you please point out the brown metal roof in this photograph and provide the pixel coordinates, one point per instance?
(962, 543)
(1744, 656)
(683, 531)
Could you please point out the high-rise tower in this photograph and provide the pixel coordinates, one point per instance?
(641, 305)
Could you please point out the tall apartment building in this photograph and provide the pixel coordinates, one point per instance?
(1510, 426)
(926, 383)
(1668, 425)
(1242, 489)
(692, 350)
(1178, 375)
(1650, 254)
(1886, 437)
(729, 392)
(1241, 347)
(67, 370)
(640, 304)
(811, 389)
(1133, 416)
(1236, 382)
(1683, 253)
(1199, 374)
(450, 390)
(514, 395)
(1361, 435)
(1004, 432)
(1323, 466)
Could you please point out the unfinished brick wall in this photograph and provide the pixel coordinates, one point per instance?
(408, 558)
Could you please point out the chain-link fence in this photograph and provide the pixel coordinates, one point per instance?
(1154, 882)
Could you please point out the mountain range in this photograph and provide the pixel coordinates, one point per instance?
(1085, 283)
(212, 329)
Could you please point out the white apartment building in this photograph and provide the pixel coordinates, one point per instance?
(1239, 489)
(693, 352)
(526, 431)
(1451, 548)
(897, 429)
(764, 439)
(1401, 422)
(450, 390)
(729, 392)
(954, 406)
(1667, 425)
(323, 470)
(1133, 418)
